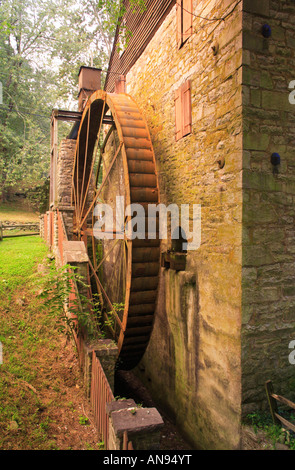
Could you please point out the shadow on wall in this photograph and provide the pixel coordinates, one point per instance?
(170, 365)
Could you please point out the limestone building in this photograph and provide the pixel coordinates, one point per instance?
(214, 81)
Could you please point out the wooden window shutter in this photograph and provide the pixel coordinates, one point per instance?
(184, 20)
(183, 111)
(187, 19)
(178, 114)
(179, 23)
(186, 108)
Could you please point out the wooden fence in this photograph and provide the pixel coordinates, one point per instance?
(273, 398)
(100, 394)
(17, 226)
(48, 228)
(127, 445)
(100, 390)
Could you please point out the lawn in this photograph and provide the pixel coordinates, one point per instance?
(16, 212)
(42, 401)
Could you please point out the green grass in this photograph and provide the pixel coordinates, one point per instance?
(15, 212)
(18, 258)
(20, 337)
(39, 372)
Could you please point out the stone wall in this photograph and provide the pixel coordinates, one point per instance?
(192, 363)
(268, 196)
(65, 163)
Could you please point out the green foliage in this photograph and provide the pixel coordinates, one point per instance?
(43, 44)
(39, 196)
(71, 316)
(83, 420)
(277, 434)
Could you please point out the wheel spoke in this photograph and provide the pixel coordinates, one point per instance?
(109, 133)
(102, 185)
(105, 256)
(85, 160)
(112, 310)
(77, 187)
(93, 159)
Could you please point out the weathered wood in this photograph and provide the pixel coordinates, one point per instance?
(284, 400)
(21, 235)
(285, 422)
(272, 402)
(20, 226)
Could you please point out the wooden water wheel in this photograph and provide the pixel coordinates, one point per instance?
(115, 159)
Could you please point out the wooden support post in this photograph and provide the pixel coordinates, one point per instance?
(272, 402)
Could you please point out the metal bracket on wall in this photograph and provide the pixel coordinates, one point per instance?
(173, 260)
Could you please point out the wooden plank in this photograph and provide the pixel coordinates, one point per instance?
(143, 26)
(178, 114)
(186, 108)
(32, 234)
(179, 23)
(271, 401)
(284, 400)
(187, 26)
(286, 423)
(20, 226)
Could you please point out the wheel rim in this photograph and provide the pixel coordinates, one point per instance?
(114, 157)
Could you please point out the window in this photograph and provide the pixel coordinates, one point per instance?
(183, 110)
(184, 13)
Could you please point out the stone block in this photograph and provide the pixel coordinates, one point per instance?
(253, 42)
(276, 100)
(256, 141)
(143, 426)
(107, 352)
(74, 252)
(258, 8)
(120, 405)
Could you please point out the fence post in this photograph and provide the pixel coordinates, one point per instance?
(272, 402)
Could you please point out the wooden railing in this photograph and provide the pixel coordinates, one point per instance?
(62, 235)
(8, 227)
(100, 394)
(49, 227)
(100, 389)
(273, 398)
(127, 445)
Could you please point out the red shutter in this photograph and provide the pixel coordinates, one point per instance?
(179, 23)
(187, 19)
(183, 111)
(178, 114)
(186, 108)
